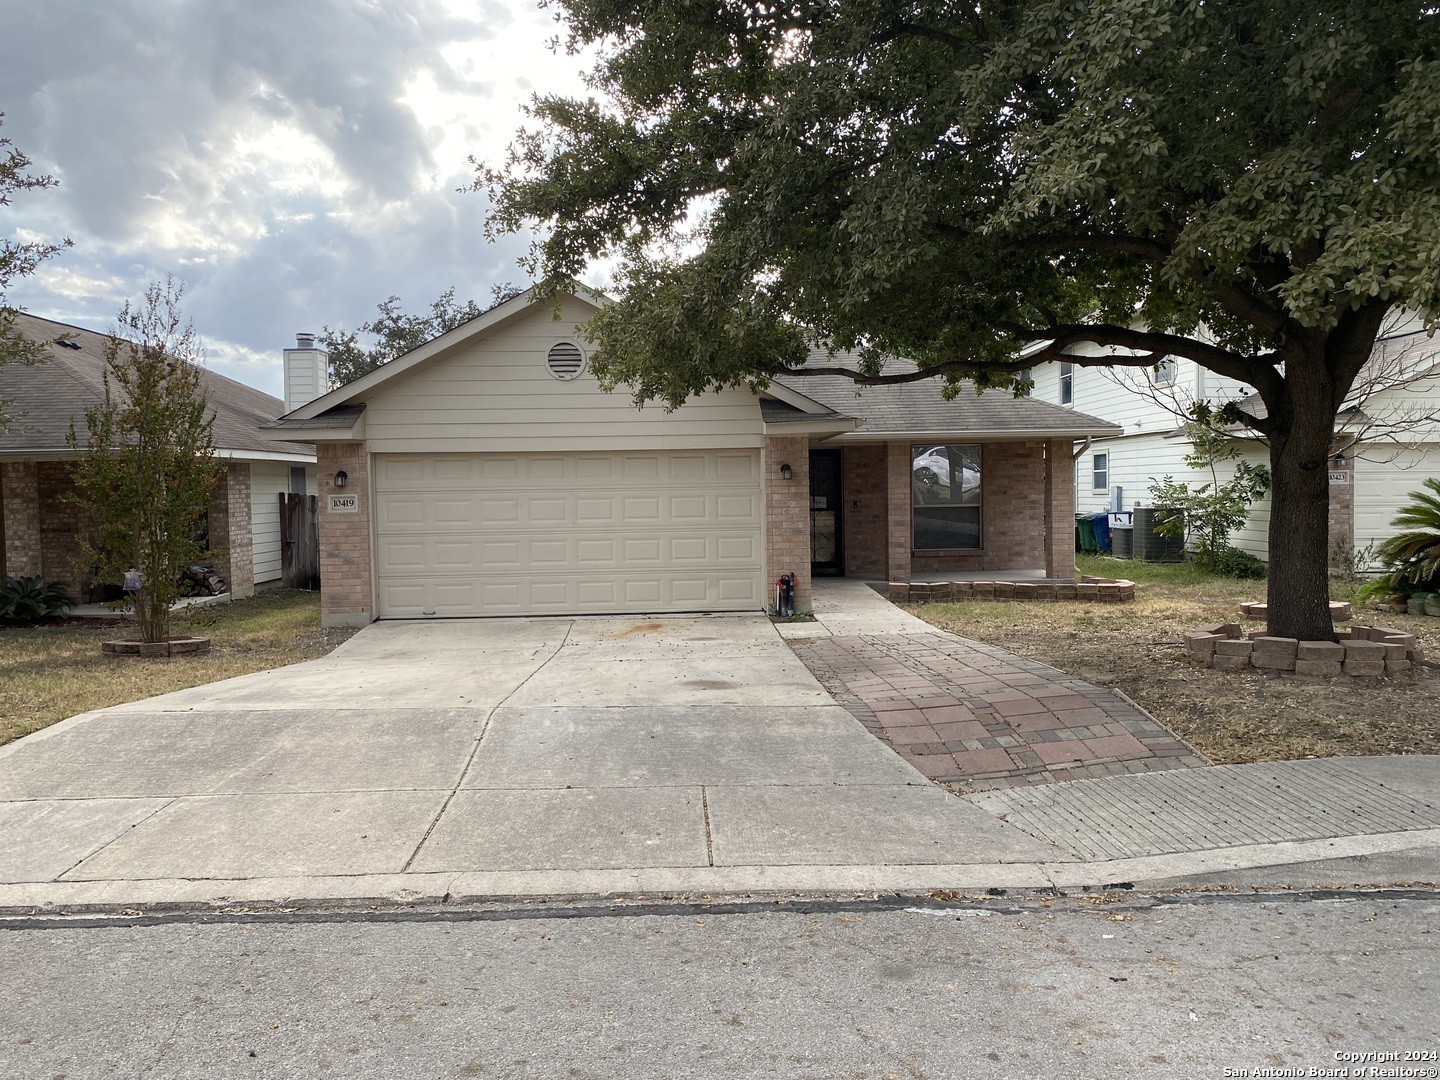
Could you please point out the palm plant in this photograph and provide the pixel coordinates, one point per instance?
(1413, 556)
(30, 599)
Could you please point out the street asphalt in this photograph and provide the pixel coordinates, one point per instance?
(470, 760)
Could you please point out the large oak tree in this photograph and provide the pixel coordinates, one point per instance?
(1253, 185)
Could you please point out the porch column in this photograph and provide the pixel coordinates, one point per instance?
(345, 583)
(1059, 509)
(898, 532)
(787, 515)
(232, 543)
(20, 504)
(1342, 507)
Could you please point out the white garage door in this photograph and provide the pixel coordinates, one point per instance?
(522, 534)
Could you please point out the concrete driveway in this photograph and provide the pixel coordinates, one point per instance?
(483, 757)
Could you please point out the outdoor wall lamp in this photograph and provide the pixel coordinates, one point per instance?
(340, 478)
(785, 472)
(1340, 458)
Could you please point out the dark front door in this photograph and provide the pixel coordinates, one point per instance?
(825, 553)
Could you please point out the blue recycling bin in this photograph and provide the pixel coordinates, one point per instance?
(1101, 524)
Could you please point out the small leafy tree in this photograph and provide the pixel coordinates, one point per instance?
(18, 260)
(1413, 556)
(1212, 511)
(150, 465)
(396, 333)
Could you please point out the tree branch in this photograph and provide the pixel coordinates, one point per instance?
(1147, 350)
(1141, 246)
(900, 28)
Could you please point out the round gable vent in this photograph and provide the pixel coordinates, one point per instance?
(565, 360)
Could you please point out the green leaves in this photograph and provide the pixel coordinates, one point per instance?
(148, 466)
(942, 181)
(395, 332)
(1413, 555)
(19, 260)
(32, 599)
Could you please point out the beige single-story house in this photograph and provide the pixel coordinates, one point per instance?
(486, 473)
(41, 527)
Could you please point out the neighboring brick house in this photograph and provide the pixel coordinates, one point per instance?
(486, 473)
(42, 528)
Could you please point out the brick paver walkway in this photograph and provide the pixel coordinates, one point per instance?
(981, 718)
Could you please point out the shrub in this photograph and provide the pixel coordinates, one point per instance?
(1413, 557)
(1232, 562)
(31, 599)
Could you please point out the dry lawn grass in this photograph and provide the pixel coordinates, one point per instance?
(1229, 716)
(50, 672)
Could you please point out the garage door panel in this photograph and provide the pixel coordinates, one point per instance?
(577, 533)
(589, 511)
(632, 591)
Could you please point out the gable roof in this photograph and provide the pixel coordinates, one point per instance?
(828, 406)
(903, 410)
(356, 391)
(48, 397)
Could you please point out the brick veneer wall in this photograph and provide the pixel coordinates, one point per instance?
(19, 487)
(1059, 509)
(787, 515)
(1342, 509)
(1012, 513)
(345, 561)
(232, 544)
(64, 528)
(863, 526)
(898, 534)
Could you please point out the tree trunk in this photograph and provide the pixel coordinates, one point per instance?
(1299, 592)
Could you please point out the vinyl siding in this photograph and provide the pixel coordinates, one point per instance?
(1384, 480)
(267, 480)
(495, 394)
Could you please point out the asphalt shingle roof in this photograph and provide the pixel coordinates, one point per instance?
(918, 407)
(46, 398)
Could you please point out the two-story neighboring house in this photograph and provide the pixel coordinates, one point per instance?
(1386, 442)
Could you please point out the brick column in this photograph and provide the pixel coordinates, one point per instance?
(1342, 507)
(20, 492)
(232, 543)
(1059, 509)
(787, 515)
(345, 561)
(900, 540)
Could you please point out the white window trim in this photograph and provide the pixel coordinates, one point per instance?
(1096, 470)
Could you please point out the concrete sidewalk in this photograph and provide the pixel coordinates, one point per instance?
(482, 759)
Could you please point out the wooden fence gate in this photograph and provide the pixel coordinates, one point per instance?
(299, 542)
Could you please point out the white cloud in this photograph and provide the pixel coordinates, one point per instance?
(294, 164)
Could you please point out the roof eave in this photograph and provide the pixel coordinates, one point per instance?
(825, 426)
(979, 434)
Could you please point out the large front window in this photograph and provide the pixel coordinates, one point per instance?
(945, 496)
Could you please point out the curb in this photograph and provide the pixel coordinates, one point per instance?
(134, 898)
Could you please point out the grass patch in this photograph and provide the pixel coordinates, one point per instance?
(1229, 716)
(50, 672)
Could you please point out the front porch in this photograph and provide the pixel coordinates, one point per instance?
(900, 510)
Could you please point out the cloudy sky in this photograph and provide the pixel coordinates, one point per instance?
(293, 162)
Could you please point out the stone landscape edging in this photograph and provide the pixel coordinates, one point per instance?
(1097, 589)
(186, 646)
(1360, 651)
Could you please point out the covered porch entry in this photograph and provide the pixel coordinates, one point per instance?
(898, 510)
